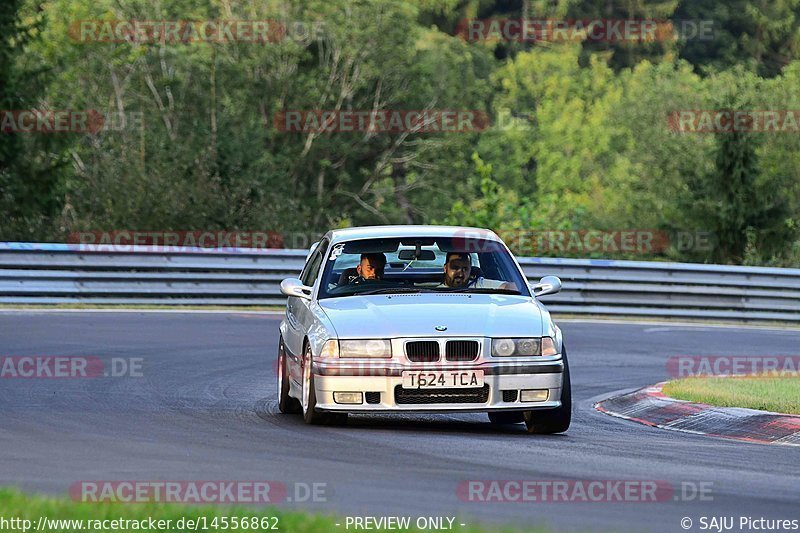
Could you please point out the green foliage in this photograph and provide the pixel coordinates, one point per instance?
(9, 92)
(492, 205)
(600, 155)
(207, 151)
(580, 138)
(625, 54)
(30, 183)
(730, 195)
(748, 208)
(762, 35)
(748, 218)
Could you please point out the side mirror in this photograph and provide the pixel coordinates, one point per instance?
(295, 287)
(547, 285)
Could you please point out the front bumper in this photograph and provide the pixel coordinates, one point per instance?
(385, 378)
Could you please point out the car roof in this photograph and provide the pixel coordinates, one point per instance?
(376, 232)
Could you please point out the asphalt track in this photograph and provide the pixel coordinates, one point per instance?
(205, 409)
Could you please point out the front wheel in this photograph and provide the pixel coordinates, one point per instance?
(310, 413)
(286, 403)
(548, 421)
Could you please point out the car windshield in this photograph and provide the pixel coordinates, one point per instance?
(420, 264)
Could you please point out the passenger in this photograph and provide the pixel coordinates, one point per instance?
(369, 268)
(457, 268)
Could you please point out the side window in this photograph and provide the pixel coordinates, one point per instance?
(310, 273)
(490, 267)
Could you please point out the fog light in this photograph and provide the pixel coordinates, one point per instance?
(347, 397)
(534, 395)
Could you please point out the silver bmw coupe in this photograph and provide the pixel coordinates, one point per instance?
(433, 319)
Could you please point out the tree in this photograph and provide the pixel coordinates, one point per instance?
(29, 190)
(746, 213)
(209, 150)
(763, 35)
(626, 54)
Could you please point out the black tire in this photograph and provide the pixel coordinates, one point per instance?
(549, 421)
(286, 403)
(316, 418)
(311, 415)
(506, 417)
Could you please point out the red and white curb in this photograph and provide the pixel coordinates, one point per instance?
(651, 407)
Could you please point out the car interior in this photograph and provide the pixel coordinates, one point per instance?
(412, 263)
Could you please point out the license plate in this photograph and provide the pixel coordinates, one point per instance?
(448, 379)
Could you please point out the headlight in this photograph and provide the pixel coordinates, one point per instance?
(503, 347)
(523, 347)
(329, 350)
(365, 348)
(549, 346)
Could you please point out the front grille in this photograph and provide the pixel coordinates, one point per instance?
(461, 350)
(509, 396)
(373, 397)
(432, 396)
(422, 351)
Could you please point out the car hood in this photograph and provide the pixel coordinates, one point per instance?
(416, 315)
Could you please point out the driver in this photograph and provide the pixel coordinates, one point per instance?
(457, 268)
(370, 267)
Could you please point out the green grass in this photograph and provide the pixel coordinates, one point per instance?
(16, 504)
(780, 394)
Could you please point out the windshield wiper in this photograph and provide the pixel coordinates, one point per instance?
(389, 290)
(483, 290)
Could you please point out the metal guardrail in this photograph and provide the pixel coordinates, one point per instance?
(33, 273)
